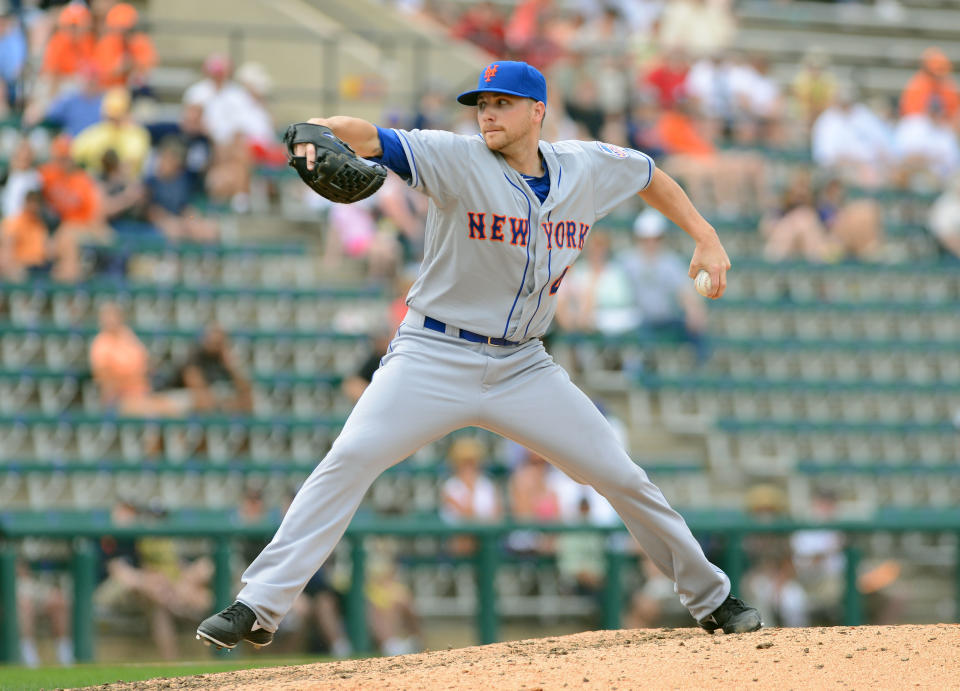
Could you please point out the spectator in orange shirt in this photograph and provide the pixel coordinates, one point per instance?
(69, 49)
(71, 45)
(121, 367)
(124, 56)
(23, 244)
(727, 182)
(679, 133)
(931, 82)
(75, 198)
(68, 189)
(525, 34)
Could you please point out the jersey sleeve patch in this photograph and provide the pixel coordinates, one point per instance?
(612, 150)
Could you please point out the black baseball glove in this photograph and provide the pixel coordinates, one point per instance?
(338, 174)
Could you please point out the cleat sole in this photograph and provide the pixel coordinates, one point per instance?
(208, 641)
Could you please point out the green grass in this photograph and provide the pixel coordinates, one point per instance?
(24, 679)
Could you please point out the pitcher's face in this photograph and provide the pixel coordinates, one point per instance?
(505, 119)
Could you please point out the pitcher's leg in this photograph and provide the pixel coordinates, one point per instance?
(561, 424)
(403, 409)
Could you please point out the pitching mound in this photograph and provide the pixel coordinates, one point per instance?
(853, 658)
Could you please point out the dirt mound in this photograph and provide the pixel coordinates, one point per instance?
(881, 657)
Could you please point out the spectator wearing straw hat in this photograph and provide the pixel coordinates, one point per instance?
(468, 495)
(117, 131)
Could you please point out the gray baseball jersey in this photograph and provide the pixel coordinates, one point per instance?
(494, 260)
(494, 256)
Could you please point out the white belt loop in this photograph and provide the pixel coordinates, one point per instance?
(414, 318)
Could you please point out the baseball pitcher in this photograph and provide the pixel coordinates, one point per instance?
(508, 216)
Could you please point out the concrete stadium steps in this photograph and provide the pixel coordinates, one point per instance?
(159, 306)
(788, 304)
(767, 446)
(868, 321)
(324, 57)
(866, 51)
(459, 62)
(932, 4)
(855, 19)
(682, 404)
(841, 361)
(307, 55)
(58, 390)
(404, 489)
(267, 351)
(913, 282)
(874, 46)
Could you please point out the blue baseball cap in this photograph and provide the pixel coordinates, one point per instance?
(508, 77)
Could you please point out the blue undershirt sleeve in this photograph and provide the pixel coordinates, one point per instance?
(393, 156)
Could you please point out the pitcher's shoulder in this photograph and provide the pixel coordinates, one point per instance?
(571, 146)
(472, 140)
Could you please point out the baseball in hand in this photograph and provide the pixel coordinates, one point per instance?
(702, 283)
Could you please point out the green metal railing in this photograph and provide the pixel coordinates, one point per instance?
(223, 529)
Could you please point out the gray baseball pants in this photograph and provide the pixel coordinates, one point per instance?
(430, 384)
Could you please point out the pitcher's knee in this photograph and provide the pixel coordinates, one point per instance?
(353, 455)
(626, 479)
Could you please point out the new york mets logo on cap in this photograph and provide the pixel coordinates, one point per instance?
(508, 77)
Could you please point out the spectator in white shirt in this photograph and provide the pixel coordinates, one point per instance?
(710, 83)
(737, 94)
(926, 146)
(853, 141)
(21, 179)
(758, 94)
(223, 100)
(229, 113)
(257, 123)
(944, 218)
(467, 495)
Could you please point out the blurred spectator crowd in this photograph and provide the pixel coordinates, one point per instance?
(667, 78)
(663, 77)
(84, 131)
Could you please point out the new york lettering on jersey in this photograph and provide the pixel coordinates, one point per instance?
(559, 234)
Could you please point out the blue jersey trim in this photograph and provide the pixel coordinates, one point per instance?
(540, 295)
(527, 264)
(392, 341)
(649, 168)
(559, 173)
(409, 150)
(394, 156)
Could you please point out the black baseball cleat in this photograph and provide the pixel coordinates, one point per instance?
(733, 616)
(234, 624)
